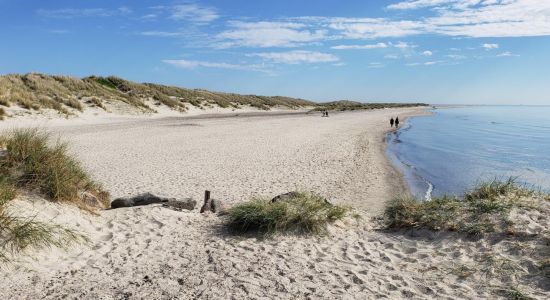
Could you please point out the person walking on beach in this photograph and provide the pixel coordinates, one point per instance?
(391, 122)
(396, 122)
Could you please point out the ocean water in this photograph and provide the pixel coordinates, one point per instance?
(455, 148)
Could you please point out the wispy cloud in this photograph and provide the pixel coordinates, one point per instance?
(456, 56)
(297, 57)
(507, 54)
(360, 47)
(391, 56)
(192, 64)
(375, 65)
(58, 31)
(194, 13)
(161, 33)
(427, 53)
(428, 63)
(416, 4)
(369, 28)
(268, 34)
(403, 45)
(489, 46)
(70, 13)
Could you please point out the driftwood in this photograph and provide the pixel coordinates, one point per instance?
(212, 205)
(148, 198)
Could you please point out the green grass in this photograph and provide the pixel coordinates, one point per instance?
(485, 209)
(304, 213)
(31, 161)
(34, 162)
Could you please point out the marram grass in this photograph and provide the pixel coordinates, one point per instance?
(305, 213)
(484, 209)
(31, 161)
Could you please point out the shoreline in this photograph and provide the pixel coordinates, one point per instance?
(406, 186)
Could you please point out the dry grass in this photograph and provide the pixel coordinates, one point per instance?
(64, 94)
(485, 209)
(30, 161)
(303, 213)
(33, 162)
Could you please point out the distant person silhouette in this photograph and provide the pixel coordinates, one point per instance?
(397, 122)
(326, 113)
(391, 122)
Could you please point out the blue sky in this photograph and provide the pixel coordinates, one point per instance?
(437, 51)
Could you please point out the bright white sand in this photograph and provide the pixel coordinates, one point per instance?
(156, 253)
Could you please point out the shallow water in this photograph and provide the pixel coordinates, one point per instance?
(452, 150)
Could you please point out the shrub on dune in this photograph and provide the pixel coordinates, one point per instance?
(301, 213)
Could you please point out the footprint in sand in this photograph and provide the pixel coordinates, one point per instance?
(107, 237)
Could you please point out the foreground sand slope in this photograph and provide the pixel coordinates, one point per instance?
(156, 253)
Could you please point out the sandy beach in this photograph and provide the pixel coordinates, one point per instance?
(153, 252)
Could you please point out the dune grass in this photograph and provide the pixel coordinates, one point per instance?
(304, 213)
(31, 161)
(484, 209)
(35, 91)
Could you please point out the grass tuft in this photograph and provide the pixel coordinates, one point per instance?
(32, 162)
(303, 213)
(483, 210)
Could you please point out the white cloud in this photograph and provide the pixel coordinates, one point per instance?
(427, 53)
(368, 28)
(375, 65)
(428, 63)
(417, 4)
(69, 13)
(431, 63)
(194, 13)
(391, 56)
(506, 54)
(161, 33)
(468, 18)
(268, 34)
(192, 64)
(489, 46)
(456, 56)
(297, 57)
(403, 45)
(360, 47)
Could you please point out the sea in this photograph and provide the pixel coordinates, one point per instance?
(455, 148)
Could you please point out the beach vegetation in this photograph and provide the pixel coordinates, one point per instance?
(31, 162)
(484, 209)
(302, 213)
(35, 91)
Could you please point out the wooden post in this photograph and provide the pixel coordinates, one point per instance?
(207, 206)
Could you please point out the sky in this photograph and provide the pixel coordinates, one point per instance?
(434, 51)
